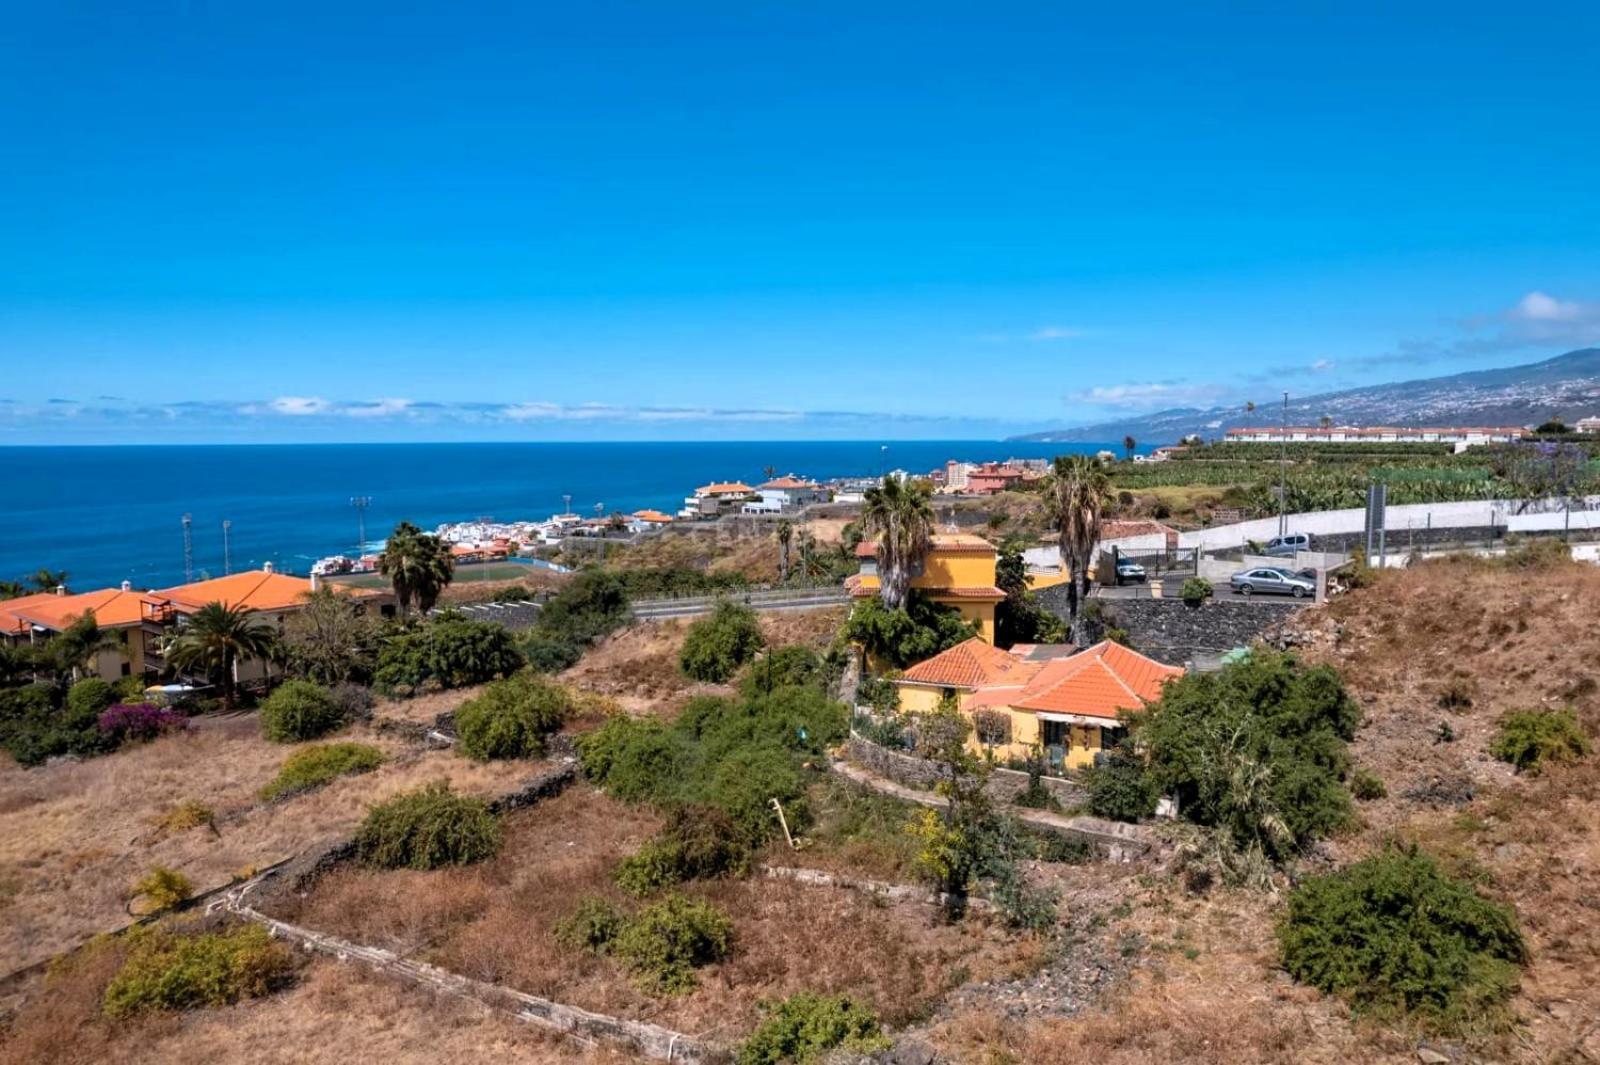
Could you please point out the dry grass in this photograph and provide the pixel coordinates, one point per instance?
(335, 1014)
(74, 837)
(496, 922)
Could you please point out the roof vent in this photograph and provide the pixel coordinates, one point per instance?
(266, 567)
(61, 589)
(127, 586)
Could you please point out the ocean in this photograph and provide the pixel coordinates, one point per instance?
(108, 514)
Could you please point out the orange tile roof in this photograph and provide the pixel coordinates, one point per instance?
(254, 590)
(788, 481)
(12, 623)
(652, 515)
(1098, 682)
(720, 488)
(948, 543)
(112, 608)
(972, 663)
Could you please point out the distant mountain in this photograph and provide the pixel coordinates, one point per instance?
(1567, 386)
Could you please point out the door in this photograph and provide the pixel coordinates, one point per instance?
(1055, 738)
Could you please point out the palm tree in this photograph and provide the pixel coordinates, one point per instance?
(215, 640)
(12, 589)
(419, 566)
(900, 514)
(1128, 444)
(48, 580)
(1325, 421)
(785, 537)
(1075, 495)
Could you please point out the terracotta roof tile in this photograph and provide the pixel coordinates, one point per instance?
(971, 663)
(112, 608)
(12, 623)
(1099, 682)
(254, 590)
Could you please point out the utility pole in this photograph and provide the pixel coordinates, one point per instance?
(361, 503)
(188, 549)
(1283, 472)
(227, 555)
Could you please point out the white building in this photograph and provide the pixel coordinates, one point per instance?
(1588, 425)
(785, 493)
(1378, 434)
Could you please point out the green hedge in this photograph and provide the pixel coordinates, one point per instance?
(512, 718)
(299, 710)
(428, 829)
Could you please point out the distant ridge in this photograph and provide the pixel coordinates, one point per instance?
(1566, 386)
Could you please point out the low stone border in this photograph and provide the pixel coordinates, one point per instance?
(1004, 784)
(893, 892)
(653, 1041)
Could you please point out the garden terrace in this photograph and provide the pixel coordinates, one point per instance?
(496, 922)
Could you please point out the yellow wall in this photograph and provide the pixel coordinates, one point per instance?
(917, 699)
(1085, 741)
(980, 612)
(956, 569)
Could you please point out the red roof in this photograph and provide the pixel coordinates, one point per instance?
(1099, 682)
(971, 663)
(12, 623)
(112, 608)
(788, 481)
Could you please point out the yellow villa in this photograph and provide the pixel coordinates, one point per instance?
(1070, 704)
(957, 572)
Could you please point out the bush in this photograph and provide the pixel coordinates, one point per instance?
(1395, 934)
(191, 813)
(427, 829)
(166, 971)
(804, 1027)
(448, 651)
(900, 638)
(719, 644)
(299, 710)
(549, 654)
(794, 666)
(125, 723)
(313, 767)
(164, 887)
(34, 729)
(353, 700)
(592, 926)
(1530, 738)
(593, 603)
(1367, 785)
(1257, 748)
(666, 941)
(1195, 590)
(89, 698)
(1122, 788)
(699, 842)
(512, 718)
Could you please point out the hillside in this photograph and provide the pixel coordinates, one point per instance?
(1567, 386)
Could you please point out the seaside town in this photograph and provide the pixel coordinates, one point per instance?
(761, 534)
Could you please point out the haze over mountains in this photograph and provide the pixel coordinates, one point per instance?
(1567, 386)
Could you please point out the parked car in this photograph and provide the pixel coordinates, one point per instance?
(1272, 581)
(1285, 546)
(1129, 571)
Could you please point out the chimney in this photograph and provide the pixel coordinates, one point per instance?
(266, 567)
(127, 586)
(61, 589)
(316, 580)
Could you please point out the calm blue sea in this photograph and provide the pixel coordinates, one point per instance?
(107, 514)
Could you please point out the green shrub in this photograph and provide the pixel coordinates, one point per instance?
(635, 759)
(34, 729)
(593, 603)
(315, 766)
(901, 638)
(90, 697)
(1122, 787)
(170, 971)
(299, 710)
(549, 654)
(805, 1026)
(592, 926)
(191, 813)
(1395, 934)
(1367, 785)
(698, 842)
(666, 941)
(512, 718)
(717, 645)
(1195, 590)
(164, 887)
(1530, 738)
(1257, 749)
(794, 666)
(427, 829)
(448, 651)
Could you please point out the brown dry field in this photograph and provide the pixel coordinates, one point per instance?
(75, 836)
(1206, 987)
(495, 922)
(638, 665)
(334, 1014)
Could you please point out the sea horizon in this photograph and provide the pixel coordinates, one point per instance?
(106, 513)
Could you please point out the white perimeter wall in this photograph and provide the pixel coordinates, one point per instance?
(1542, 514)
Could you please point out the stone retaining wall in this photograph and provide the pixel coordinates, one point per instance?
(1004, 784)
(1171, 631)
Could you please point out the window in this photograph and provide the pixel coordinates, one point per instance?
(1054, 733)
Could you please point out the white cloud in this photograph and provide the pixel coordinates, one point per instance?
(1322, 366)
(1538, 307)
(378, 408)
(1043, 333)
(299, 406)
(1148, 394)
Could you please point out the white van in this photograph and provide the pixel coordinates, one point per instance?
(1286, 546)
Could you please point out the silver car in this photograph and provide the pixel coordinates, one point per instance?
(1271, 581)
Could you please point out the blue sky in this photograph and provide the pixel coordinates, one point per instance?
(227, 222)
